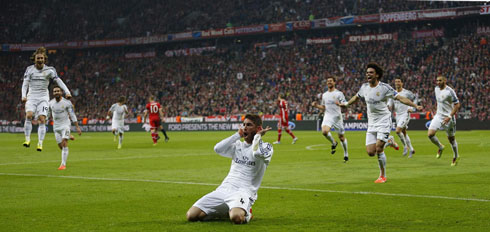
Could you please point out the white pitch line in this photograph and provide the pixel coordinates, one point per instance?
(98, 159)
(264, 187)
(311, 147)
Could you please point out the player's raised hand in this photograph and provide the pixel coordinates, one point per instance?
(314, 104)
(24, 100)
(68, 96)
(341, 105)
(419, 108)
(264, 130)
(79, 131)
(240, 131)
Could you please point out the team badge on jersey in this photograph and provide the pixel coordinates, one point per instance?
(377, 94)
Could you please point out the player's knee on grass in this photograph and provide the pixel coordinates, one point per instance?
(237, 215)
(195, 214)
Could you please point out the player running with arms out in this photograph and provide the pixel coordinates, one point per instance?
(238, 191)
(376, 95)
(333, 116)
(155, 112)
(119, 110)
(284, 120)
(447, 107)
(62, 112)
(35, 94)
(402, 116)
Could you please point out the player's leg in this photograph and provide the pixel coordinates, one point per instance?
(164, 133)
(195, 214)
(28, 127)
(240, 205)
(371, 143)
(290, 132)
(41, 132)
(155, 124)
(401, 136)
(381, 156)
(343, 141)
(279, 132)
(409, 143)
(451, 131)
(435, 124)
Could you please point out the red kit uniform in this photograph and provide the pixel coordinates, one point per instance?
(154, 112)
(283, 112)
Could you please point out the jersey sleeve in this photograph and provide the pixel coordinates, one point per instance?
(113, 108)
(148, 106)
(454, 97)
(226, 147)
(25, 83)
(262, 150)
(71, 111)
(341, 97)
(390, 92)
(360, 93)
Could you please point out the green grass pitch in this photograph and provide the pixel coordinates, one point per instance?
(147, 188)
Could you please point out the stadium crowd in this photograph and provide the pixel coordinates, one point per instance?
(93, 20)
(211, 84)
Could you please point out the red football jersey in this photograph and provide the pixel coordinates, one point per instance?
(283, 110)
(153, 109)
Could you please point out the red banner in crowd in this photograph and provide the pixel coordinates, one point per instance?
(484, 10)
(277, 27)
(428, 33)
(373, 37)
(327, 40)
(366, 18)
(301, 25)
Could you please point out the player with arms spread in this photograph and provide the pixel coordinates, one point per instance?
(62, 111)
(284, 120)
(376, 95)
(333, 116)
(238, 191)
(155, 112)
(119, 110)
(447, 107)
(35, 94)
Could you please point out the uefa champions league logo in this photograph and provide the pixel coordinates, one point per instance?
(291, 125)
(427, 124)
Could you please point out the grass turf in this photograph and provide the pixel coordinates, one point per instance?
(147, 188)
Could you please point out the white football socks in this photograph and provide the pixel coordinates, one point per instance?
(344, 146)
(382, 164)
(435, 141)
(28, 129)
(120, 139)
(409, 142)
(41, 133)
(454, 145)
(329, 137)
(64, 155)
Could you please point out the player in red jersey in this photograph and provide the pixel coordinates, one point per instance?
(155, 111)
(284, 121)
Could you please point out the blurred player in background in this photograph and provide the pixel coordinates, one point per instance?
(155, 112)
(447, 107)
(284, 120)
(238, 191)
(35, 94)
(62, 112)
(402, 117)
(376, 95)
(332, 116)
(118, 110)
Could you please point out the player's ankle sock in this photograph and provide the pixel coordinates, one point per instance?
(64, 155)
(402, 138)
(344, 146)
(120, 139)
(164, 133)
(454, 145)
(41, 133)
(382, 164)
(435, 141)
(329, 137)
(28, 129)
(409, 142)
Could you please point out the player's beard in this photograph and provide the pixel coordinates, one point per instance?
(250, 137)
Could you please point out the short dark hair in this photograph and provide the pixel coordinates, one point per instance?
(255, 119)
(122, 99)
(376, 68)
(333, 78)
(399, 78)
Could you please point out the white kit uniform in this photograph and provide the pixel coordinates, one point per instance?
(446, 99)
(62, 112)
(239, 188)
(35, 88)
(379, 116)
(118, 113)
(332, 116)
(402, 116)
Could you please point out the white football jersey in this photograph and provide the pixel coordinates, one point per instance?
(36, 82)
(376, 99)
(401, 108)
(446, 98)
(329, 99)
(247, 167)
(61, 111)
(118, 111)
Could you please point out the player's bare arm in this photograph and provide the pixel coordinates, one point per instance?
(351, 101)
(78, 128)
(316, 105)
(455, 110)
(160, 111)
(407, 101)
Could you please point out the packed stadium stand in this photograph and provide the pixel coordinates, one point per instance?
(240, 74)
